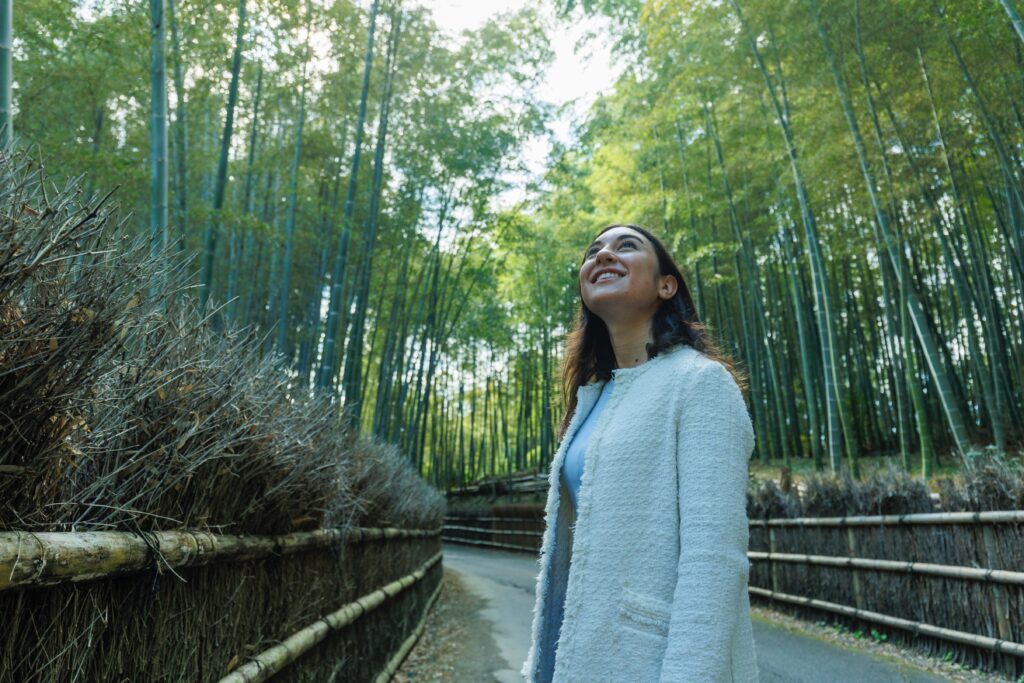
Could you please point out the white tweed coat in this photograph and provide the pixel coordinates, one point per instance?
(656, 589)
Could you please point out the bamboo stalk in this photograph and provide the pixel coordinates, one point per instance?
(48, 558)
(973, 573)
(989, 517)
(919, 627)
(270, 661)
(396, 661)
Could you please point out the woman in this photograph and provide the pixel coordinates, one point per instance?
(643, 565)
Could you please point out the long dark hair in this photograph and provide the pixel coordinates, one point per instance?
(588, 348)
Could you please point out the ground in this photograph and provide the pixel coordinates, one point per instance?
(822, 630)
(456, 644)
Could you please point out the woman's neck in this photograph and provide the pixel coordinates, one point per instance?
(630, 344)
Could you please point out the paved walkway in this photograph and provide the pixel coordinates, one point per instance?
(507, 580)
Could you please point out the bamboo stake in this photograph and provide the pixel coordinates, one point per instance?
(973, 573)
(919, 627)
(48, 558)
(990, 517)
(272, 660)
(999, 597)
(396, 661)
(851, 546)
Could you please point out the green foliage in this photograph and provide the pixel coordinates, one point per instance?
(455, 279)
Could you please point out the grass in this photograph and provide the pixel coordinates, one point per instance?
(947, 466)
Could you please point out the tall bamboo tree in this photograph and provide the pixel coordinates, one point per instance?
(213, 226)
(158, 128)
(325, 378)
(180, 130)
(6, 71)
(352, 375)
(293, 199)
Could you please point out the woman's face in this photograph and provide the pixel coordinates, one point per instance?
(619, 276)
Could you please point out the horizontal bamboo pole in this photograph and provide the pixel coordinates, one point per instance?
(984, 642)
(512, 520)
(396, 660)
(270, 661)
(480, 530)
(972, 573)
(48, 558)
(494, 544)
(990, 517)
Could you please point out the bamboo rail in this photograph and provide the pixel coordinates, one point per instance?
(396, 661)
(48, 558)
(984, 642)
(952, 571)
(495, 544)
(270, 661)
(518, 520)
(990, 517)
(481, 530)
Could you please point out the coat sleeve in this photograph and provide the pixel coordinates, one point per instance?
(714, 442)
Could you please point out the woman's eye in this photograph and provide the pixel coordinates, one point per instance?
(629, 242)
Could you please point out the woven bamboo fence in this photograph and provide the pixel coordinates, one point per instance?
(347, 604)
(512, 527)
(948, 583)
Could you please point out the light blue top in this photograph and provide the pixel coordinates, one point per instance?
(572, 466)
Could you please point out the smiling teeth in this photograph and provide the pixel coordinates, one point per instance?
(607, 276)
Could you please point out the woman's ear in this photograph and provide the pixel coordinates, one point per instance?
(668, 287)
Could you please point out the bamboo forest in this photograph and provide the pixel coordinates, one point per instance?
(841, 183)
(291, 288)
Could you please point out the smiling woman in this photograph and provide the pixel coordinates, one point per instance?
(642, 308)
(643, 562)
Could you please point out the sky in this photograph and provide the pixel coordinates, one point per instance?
(576, 77)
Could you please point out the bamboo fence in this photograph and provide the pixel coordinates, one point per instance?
(270, 661)
(883, 564)
(33, 564)
(396, 660)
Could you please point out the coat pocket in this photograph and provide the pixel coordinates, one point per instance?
(644, 612)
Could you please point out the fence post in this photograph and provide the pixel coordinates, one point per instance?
(772, 564)
(851, 547)
(999, 598)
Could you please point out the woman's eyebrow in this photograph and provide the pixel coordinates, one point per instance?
(617, 239)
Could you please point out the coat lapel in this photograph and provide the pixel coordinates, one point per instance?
(558, 539)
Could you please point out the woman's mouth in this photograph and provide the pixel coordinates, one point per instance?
(608, 276)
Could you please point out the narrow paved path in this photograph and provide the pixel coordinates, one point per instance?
(506, 580)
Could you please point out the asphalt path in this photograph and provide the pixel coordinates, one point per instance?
(506, 580)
